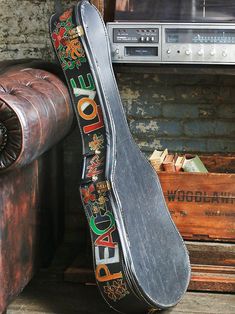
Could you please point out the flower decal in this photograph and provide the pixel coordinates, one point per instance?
(69, 51)
(97, 142)
(117, 290)
(59, 37)
(74, 49)
(87, 194)
(66, 15)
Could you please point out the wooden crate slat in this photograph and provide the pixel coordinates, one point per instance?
(201, 205)
(211, 253)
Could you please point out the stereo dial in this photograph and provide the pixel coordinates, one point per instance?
(168, 51)
(200, 52)
(188, 52)
(224, 53)
(116, 51)
(212, 53)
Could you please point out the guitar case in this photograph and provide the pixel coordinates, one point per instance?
(140, 261)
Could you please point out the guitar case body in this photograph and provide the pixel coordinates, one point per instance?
(140, 261)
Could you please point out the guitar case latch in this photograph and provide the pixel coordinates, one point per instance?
(103, 186)
(76, 32)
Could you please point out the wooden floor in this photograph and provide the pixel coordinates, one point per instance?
(47, 293)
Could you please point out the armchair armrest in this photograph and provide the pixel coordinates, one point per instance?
(35, 113)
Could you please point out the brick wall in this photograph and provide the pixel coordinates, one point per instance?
(186, 113)
(24, 28)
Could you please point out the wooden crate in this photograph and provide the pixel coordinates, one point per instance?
(203, 208)
(202, 205)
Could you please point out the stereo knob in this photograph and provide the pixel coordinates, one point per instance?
(147, 39)
(188, 52)
(224, 53)
(212, 53)
(142, 39)
(152, 38)
(168, 51)
(116, 51)
(200, 52)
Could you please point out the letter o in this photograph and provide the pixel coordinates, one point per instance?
(83, 104)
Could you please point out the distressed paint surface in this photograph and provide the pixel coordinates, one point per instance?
(190, 113)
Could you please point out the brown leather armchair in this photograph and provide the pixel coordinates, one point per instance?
(35, 114)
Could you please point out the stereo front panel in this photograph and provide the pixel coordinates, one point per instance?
(135, 42)
(172, 43)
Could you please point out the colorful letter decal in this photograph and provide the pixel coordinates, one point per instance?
(106, 239)
(107, 275)
(95, 163)
(107, 258)
(85, 103)
(98, 231)
(97, 125)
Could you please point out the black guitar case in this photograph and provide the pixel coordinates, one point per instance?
(141, 263)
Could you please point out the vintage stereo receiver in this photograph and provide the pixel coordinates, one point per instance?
(173, 31)
(133, 42)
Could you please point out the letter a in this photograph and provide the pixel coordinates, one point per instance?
(106, 239)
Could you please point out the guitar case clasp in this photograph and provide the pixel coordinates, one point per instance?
(76, 32)
(103, 186)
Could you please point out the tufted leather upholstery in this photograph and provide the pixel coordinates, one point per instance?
(35, 113)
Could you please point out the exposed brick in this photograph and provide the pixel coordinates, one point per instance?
(225, 128)
(202, 104)
(173, 144)
(180, 111)
(144, 109)
(160, 127)
(207, 111)
(209, 128)
(220, 145)
(197, 93)
(226, 111)
(186, 80)
(198, 128)
(24, 33)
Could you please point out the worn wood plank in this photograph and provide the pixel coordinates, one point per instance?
(211, 253)
(49, 296)
(205, 303)
(213, 278)
(219, 163)
(213, 267)
(204, 277)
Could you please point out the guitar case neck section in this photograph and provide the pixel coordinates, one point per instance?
(140, 261)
